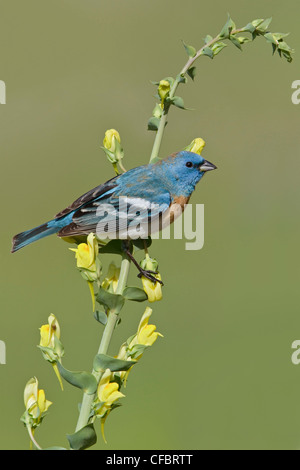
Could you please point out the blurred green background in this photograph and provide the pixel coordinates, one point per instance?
(222, 376)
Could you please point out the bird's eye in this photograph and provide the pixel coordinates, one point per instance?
(189, 164)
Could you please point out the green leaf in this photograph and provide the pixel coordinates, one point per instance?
(227, 28)
(280, 36)
(112, 247)
(83, 380)
(110, 155)
(236, 42)
(101, 317)
(178, 101)
(287, 56)
(263, 27)
(218, 47)
(256, 23)
(208, 51)
(171, 80)
(243, 40)
(55, 448)
(271, 38)
(48, 354)
(135, 293)
(103, 362)
(111, 301)
(208, 38)
(140, 243)
(157, 111)
(83, 439)
(190, 50)
(181, 78)
(153, 124)
(283, 46)
(191, 72)
(249, 28)
(137, 350)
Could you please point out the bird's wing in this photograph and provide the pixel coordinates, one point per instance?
(91, 195)
(126, 209)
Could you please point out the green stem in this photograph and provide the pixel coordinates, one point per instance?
(30, 432)
(163, 119)
(87, 400)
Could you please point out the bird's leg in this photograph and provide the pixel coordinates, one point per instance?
(142, 272)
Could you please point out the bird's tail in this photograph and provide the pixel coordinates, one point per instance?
(24, 238)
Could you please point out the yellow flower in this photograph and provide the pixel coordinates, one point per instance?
(146, 334)
(51, 347)
(196, 146)
(43, 404)
(107, 393)
(113, 149)
(86, 253)
(110, 282)
(88, 262)
(152, 289)
(109, 142)
(35, 401)
(49, 331)
(163, 90)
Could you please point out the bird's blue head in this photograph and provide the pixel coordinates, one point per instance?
(185, 170)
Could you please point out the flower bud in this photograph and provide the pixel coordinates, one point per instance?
(113, 149)
(109, 142)
(157, 111)
(50, 345)
(196, 146)
(163, 90)
(111, 280)
(152, 289)
(35, 403)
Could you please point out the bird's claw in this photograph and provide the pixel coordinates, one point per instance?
(149, 275)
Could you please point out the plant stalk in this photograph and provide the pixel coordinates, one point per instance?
(163, 119)
(112, 319)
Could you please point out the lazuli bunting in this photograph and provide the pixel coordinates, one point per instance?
(148, 193)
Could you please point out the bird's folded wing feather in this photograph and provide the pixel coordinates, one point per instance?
(116, 208)
(91, 195)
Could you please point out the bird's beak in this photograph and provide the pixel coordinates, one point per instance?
(207, 166)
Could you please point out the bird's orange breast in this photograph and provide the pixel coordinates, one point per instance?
(177, 207)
